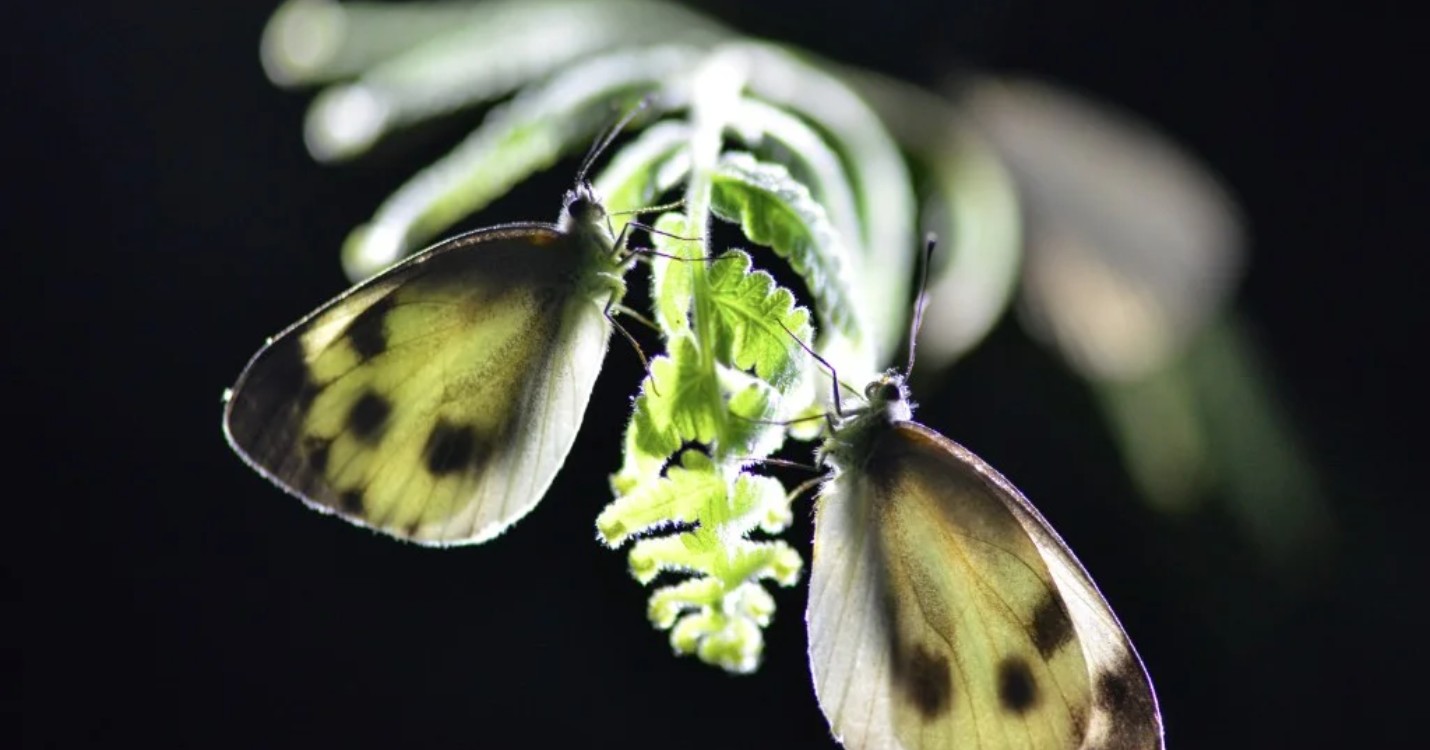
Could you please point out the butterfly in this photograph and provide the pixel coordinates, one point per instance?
(436, 401)
(945, 612)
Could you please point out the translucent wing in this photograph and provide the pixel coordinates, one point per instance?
(436, 401)
(944, 612)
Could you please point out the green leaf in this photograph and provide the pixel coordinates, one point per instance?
(750, 310)
(752, 403)
(422, 60)
(774, 135)
(677, 403)
(678, 497)
(642, 170)
(529, 133)
(319, 41)
(717, 614)
(883, 191)
(695, 492)
(774, 210)
(671, 279)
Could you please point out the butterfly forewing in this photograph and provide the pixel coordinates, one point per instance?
(944, 614)
(436, 401)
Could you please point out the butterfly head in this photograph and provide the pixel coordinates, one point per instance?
(889, 388)
(582, 206)
(886, 401)
(584, 217)
(888, 397)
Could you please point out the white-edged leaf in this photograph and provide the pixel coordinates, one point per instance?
(776, 211)
(480, 55)
(527, 134)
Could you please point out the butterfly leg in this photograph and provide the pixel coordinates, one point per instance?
(779, 462)
(645, 363)
(802, 488)
(643, 320)
(646, 254)
(662, 232)
(651, 209)
(781, 422)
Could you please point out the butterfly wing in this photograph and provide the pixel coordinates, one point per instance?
(944, 612)
(436, 401)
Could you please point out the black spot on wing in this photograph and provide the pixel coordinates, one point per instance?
(924, 677)
(368, 332)
(452, 448)
(1017, 690)
(264, 416)
(1113, 691)
(270, 400)
(1123, 694)
(351, 502)
(315, 450)
(368, 418)
(1052, 628)
(282, 373)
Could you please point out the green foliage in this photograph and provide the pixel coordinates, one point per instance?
(717, 613)
(529, 133)
(774, 210)
(753, 316)
(816, 180)
(826, 170)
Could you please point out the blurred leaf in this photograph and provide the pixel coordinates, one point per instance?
(968, 202)
(1132, 247)
(420, 60)
(527, 134)
(1208, 425)
(879, 181)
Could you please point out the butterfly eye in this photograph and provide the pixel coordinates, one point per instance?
(883, 390)
(582, 208)
(583, 205)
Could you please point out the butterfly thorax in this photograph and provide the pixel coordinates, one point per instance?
(886, 402)
(585, 220)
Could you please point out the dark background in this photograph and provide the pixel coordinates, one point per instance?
(164, 218)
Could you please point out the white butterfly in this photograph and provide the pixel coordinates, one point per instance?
(944, 611)
(436, 401)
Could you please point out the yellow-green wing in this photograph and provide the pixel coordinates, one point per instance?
(436, 401)
(944, 612)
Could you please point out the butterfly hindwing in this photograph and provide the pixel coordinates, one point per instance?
(436, 401)
(945, 613)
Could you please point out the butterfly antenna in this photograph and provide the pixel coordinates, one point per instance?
(604, 141)
(838, 407)
(930, 241)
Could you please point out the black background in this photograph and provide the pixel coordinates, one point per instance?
(164, 218)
